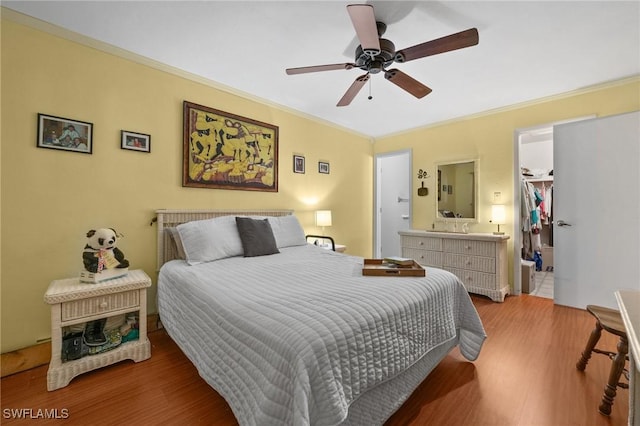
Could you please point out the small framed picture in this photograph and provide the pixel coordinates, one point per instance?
(450, 189)
(64, 134)
(444, 188)
(135, 141)
(298, 164)
(323, 167)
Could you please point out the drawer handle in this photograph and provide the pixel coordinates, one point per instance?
(103, 305)
(469, 263)
(469, 279)
(421, 256)
(467, 247)
(421, 243)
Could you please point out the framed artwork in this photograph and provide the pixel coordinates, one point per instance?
(298, 164)
(64, 134)
(449, 189)
(323, 167)
(226, 151)
(135, 141)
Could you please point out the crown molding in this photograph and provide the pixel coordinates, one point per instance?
(520, 105)
(66, 34)
(75, 37)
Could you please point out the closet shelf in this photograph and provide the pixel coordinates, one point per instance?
(542, 179)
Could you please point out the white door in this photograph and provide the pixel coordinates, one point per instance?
(596, 209)
(393, 201)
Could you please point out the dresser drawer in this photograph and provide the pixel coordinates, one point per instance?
(474, 278)
(473, 263)
(99, 304)
(423, 243)
(474, 248)
(423, 257)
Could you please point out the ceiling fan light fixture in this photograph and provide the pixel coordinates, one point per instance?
(385, 56)
(375, 67)
(376, 54)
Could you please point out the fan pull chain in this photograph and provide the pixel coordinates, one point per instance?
(370, 97)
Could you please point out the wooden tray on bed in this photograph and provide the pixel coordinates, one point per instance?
(379, 268)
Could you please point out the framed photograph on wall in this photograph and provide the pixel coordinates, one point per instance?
(298, 164)
(135, 141)
(64, 134)
(323, 167)
(227, 151)
(449, 189)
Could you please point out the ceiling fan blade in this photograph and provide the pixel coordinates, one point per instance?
(448, 43)
(316, 68)
(353, 90)
(407, 83)
(364, 22)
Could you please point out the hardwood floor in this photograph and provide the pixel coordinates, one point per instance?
(525, 375)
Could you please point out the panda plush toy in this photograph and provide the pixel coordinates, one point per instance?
(100, 253)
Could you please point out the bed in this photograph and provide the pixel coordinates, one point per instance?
(299, 336)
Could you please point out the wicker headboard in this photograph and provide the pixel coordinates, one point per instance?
(171, 218)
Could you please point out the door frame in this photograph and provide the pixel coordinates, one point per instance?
(518, 134)
(376, 249)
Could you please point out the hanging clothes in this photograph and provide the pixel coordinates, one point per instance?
(535, 212)
(528, 218)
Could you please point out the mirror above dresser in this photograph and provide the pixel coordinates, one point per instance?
(457, 189)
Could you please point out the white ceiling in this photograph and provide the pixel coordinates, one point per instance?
(527, 50)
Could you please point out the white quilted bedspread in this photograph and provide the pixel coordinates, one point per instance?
(295, 338)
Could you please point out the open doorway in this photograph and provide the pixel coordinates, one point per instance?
(536, 210)
(393, 201)
(536, 145)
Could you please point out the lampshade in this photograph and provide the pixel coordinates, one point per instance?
(498, 214)
(323, 218)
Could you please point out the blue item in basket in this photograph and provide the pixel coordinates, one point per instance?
(131, 335)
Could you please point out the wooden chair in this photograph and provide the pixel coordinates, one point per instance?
(611, 321)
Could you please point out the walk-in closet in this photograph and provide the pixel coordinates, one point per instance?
(536, 212)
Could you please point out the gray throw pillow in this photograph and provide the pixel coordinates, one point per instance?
(256, 236)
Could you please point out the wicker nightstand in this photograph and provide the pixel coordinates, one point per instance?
(73, 302)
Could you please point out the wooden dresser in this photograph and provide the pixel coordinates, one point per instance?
(478, 260)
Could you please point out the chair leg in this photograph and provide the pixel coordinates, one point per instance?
(614, 377)
(593, 340)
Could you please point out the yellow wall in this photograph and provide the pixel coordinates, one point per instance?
(51, 198)
(489, 137)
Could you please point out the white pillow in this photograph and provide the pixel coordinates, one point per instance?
(287, 231)
(210, 239)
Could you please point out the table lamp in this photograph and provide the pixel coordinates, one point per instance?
(323, 218)
(498, 216)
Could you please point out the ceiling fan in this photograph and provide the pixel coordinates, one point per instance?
(375, 54)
